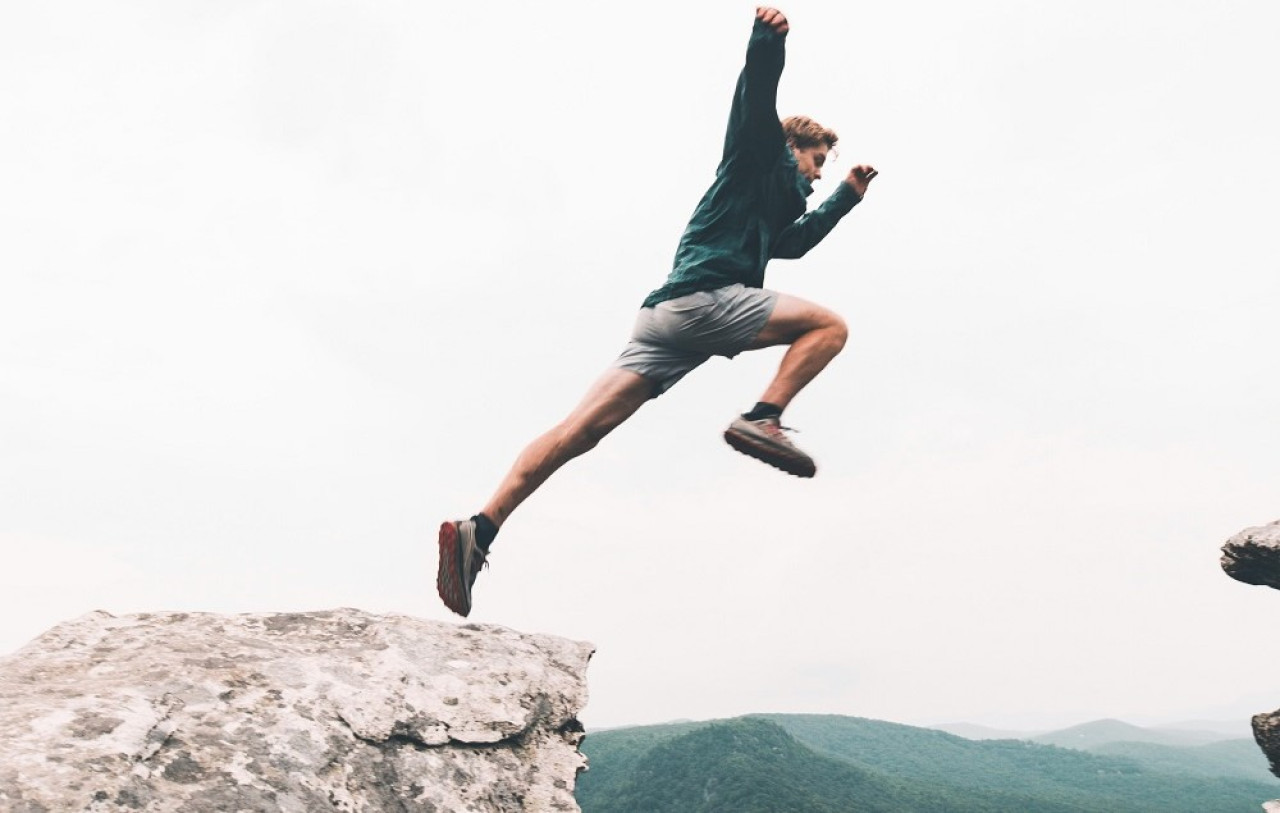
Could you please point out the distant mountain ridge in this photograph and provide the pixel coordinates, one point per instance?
(1193, 748)
(1192, 732)
(974, 731)
(779, 763)
(1101, 732)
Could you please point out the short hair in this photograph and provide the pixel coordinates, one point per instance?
(803, 132)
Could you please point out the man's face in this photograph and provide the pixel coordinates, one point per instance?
(809, 160)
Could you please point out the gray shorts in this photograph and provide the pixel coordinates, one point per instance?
(675, 336)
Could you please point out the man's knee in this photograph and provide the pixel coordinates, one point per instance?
(579, 437)
(839, 331)
(834, 330)
(610, 403)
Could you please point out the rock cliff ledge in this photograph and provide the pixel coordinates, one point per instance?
(338, 710)
(1253, 557)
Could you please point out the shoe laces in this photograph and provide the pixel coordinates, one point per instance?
(778, 424)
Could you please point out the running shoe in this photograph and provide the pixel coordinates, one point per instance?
(460, 562)
(766, 441)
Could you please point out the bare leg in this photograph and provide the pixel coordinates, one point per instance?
(613, 398)
(816, 336)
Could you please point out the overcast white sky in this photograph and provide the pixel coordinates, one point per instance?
(285, 284)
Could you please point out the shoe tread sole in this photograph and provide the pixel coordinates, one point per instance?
(766, 453)
(448, 583)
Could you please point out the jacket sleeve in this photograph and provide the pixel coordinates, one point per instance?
(754, 129)
(795, 240)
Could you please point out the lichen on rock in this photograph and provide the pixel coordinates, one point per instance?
(335, 710)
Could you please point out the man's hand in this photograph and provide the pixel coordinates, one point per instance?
(860, 178)
(773, 18)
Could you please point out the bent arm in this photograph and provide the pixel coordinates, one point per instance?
(754, 128)
(795, 240)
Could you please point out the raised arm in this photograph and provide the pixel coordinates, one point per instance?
(754, 129)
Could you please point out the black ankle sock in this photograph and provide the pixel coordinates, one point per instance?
(485, 531)
(762, 410)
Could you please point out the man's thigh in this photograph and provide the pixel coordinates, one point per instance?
(614, 397)
(661, 365)
(793, 317)
(721, 322)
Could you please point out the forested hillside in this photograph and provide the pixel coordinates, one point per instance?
(821, 763)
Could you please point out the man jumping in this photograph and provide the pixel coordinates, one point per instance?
(713, 304)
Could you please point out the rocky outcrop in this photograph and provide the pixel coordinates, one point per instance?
(1266, 730)
(1253, 555)
(303, 712)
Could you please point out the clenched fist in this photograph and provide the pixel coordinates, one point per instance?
(860, 178)
(773, 18)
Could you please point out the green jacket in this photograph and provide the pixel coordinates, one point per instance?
(755, 209)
